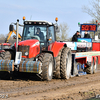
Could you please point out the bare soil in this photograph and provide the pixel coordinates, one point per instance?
(76, 88)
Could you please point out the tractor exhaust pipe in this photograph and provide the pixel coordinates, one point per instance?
(17, 24)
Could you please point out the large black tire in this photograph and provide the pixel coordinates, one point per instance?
(7, 55)
(4, 75)
(95, 66)
(57, 72)
(47, 66)
(89, 69)
(66, 61)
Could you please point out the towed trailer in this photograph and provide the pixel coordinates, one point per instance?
(85, 52)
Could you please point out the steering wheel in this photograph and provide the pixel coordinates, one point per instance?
(37, 37)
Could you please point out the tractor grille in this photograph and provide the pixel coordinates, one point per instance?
(23, 49)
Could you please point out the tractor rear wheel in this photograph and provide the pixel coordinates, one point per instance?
(47, 66)
(89, 69)
(95, 66)
(57, 72)
(66, 61)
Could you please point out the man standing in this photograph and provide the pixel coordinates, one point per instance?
(86, 35)
(75, 36)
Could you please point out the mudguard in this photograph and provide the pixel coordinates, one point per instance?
(56, 47)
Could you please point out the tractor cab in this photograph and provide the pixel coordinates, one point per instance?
(42, 31)
(37, 37)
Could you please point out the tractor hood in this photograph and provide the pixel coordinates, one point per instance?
(29, 48)
(30, 43)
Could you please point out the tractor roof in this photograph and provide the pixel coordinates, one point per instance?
(38, 22)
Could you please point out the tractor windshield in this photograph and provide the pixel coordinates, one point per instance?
(35, 32)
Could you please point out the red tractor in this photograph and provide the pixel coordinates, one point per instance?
(4, 46)
(39, 52)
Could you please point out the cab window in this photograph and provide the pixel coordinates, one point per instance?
(51, 33)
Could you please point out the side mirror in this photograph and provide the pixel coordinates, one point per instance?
(57, 29)
(11, 27)
(14, 37)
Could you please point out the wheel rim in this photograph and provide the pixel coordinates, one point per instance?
(92, 66)
(50, 69)
(68, 65)
(95, 66)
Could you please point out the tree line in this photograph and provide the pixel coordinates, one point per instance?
(93, 9)
(4, 36)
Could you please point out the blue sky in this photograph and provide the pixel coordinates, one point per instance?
(68, 11)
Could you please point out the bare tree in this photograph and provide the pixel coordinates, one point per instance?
(98, 29)
(63, 34)
(3, 36)
(94, 11)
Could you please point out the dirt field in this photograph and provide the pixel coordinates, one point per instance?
(77, 88)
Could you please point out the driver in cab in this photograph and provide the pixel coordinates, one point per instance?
(40, 34)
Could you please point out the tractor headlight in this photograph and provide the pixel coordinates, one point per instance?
(26, 53)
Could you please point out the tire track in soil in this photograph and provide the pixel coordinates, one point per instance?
(21, 87)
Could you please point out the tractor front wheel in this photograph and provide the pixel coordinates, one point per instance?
(47, 66)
